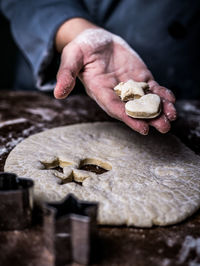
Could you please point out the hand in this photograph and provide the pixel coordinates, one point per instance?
(101, 60)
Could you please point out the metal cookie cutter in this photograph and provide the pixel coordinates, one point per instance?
(16, 202)
(66, 230)
(26, 227)
(75, 228)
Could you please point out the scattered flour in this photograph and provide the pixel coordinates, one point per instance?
(196, 131)
(190, 108)
(190, 243)
(171, 242)
(12, 142)
(98, 37)
(46, 113)
(9, 145)
(194, 263)
(120, 41)
(2, 150)
(13, 121)
(166, 262)
(94, 38)
(27, 131)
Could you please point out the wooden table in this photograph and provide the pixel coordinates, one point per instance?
(26, 113)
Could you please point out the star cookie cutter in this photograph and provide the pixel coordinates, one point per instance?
(69, 225)
(75, 229)
(16, 202)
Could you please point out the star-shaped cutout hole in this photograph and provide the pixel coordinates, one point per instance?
(68, 172)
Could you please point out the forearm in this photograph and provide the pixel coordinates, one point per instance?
(69, 30)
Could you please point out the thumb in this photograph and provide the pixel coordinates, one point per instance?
(70, 66)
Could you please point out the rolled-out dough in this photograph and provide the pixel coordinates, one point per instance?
(151, 180)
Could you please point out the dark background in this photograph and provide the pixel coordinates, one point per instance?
(11, 57)
(8, 51)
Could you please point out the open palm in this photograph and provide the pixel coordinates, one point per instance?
(101, 60)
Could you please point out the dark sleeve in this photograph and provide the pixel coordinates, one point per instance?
(34, 24)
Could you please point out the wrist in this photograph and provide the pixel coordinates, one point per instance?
(69, 30)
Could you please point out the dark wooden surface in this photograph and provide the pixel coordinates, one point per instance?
(23, 114)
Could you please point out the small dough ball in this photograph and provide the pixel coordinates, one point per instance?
(146, 107)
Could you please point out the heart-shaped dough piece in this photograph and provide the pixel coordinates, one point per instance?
(146, 107)
(130, 90)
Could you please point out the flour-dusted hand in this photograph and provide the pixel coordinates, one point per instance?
(101, 60)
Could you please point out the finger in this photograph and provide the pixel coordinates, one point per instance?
(161, 123)
(65, 84)
(111, 103)
(71, 64)
(142, 75)
(169, 110)
(136, 124)
(161, 91)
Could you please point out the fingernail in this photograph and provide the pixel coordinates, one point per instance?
(171, 117)
(145, 131)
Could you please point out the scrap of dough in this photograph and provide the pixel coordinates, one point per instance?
(146, 107)
(130, 90)
(151, 180)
